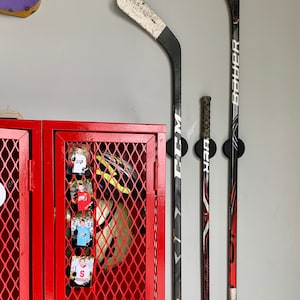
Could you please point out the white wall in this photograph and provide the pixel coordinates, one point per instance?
(85, 60)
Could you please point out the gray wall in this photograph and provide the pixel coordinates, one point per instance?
(77, 60)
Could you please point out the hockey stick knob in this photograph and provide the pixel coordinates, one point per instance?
(199, 148)
(170, 147)
(227, 148)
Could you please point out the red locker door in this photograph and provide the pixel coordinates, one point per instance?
(21, 220)
(14, 212)
(107, 237)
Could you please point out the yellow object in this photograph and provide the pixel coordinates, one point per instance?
(10, 114)
(23, 13)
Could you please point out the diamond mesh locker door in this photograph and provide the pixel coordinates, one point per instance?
(109, 216)
(14, 215)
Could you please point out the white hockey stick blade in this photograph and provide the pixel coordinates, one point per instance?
(142, 14)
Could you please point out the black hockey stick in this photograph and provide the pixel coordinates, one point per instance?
(205, 198)
(205, 148)
(142, 14)
(233, 149)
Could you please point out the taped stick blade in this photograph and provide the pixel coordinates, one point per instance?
(143, 15)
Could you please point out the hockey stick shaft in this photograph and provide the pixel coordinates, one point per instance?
(141, 13)
(21, 8)
(205, 138)
(233, 168)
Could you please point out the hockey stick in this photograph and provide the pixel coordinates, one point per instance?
(142, 14)
(205, 148)
(22, 8)
(205, 198)
(233, 149)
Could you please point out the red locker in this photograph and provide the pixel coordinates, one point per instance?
(21, 223)
(104, 210)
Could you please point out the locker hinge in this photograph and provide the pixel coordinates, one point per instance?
(155, 176)
(30, 176)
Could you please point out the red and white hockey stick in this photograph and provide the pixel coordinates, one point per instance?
(205, 148)
(205, 198)
(233, 149)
